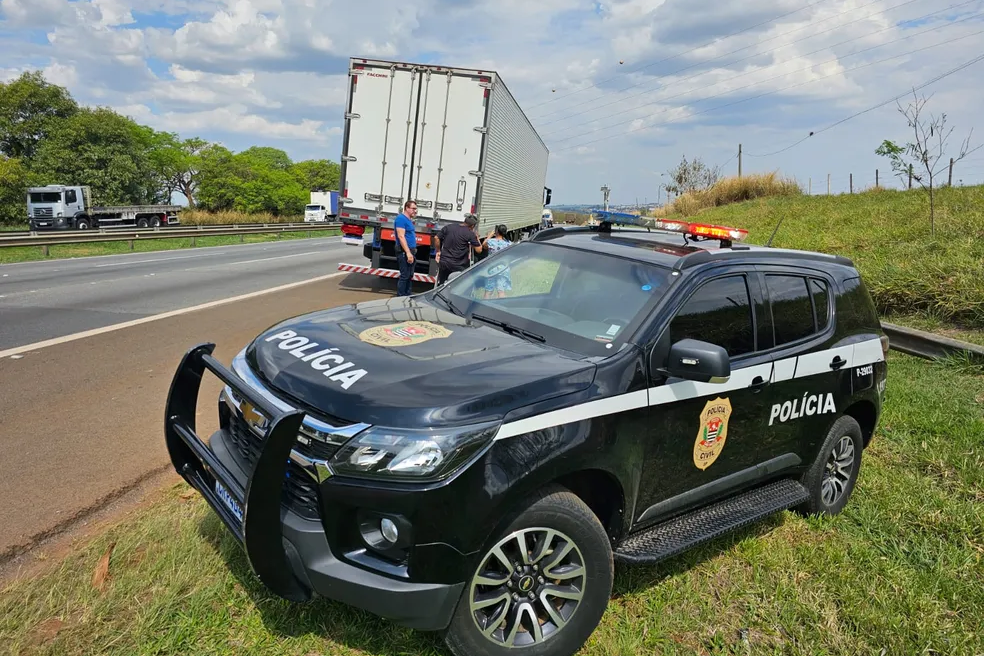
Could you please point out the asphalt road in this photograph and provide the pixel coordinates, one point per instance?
(81, 422)
(48, 299)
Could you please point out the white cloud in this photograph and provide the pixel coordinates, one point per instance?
(615, 87)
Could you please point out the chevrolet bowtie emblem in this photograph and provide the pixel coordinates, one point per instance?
(252, 416)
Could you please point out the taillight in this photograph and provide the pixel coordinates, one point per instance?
(885, 344)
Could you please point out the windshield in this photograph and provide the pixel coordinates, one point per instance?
(313, 208)
(47, 197)
(577, 300)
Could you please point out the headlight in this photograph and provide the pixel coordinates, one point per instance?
(409, 454)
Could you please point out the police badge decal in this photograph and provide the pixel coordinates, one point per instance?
(403, 334)
(712, 433)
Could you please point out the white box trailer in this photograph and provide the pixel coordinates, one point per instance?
(452, 139)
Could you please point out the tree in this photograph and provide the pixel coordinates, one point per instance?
(176, 164)
(317, 174)
(14, 181)
(925, 159)
(29, 110)
(99, 148)
(691, 176)
(270, 157)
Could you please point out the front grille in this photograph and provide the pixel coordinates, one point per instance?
(43, 212)
(300, 492)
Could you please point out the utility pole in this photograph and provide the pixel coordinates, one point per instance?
(828, 184)
(739, 160)
(950, 182)
(852, 183)
(876, 178)
(606, 190)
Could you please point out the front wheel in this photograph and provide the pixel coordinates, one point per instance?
(542, 585)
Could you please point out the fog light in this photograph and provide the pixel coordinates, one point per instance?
(389, 531)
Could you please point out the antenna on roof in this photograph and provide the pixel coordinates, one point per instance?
(774, 231)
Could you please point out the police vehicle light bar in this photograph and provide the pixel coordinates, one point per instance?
(705, 230)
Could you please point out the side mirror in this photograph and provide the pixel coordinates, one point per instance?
(699, 361)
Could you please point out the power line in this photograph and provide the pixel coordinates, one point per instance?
(879, 105)
(769, 93)
(712, 42)
(771, 66)
(775, 77)
(702, 63)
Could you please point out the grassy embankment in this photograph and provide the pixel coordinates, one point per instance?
(916, 279)
(188, 219)
(900, 570)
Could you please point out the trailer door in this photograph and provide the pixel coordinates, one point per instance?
(381, 117)
(449, 143)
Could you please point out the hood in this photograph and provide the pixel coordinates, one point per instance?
(403, 362)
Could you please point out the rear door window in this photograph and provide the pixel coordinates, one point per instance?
(792, 309)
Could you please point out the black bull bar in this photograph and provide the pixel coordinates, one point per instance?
(259, 532)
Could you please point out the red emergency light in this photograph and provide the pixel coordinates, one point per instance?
(704, 230)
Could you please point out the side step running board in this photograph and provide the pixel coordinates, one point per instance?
(681, 533)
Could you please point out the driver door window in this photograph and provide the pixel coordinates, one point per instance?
(70, 197)
(719, 312)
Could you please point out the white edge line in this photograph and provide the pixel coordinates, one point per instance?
(157, 317)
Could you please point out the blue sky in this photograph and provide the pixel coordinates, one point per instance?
(620, 90)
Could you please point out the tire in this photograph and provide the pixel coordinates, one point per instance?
(560, 516)
(142, 223)
(155, 222)
(830, 490)
(82, 224)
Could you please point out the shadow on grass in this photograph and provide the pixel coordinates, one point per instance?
(631, 579)
(357, 629)
(321, 618)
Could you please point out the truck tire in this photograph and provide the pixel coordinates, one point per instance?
(143, 223)
(832, 476)
(496, 615)
(82, 223)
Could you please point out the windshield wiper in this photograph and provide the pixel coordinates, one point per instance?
(454, 310)
(509, 328)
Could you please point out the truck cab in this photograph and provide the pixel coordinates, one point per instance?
(58, 207)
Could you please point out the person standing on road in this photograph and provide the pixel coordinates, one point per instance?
(406, 238)
(452, 246)
(499, 282)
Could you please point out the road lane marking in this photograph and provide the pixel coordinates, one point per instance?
(262, 259)
(156, 259)
(157, 317)
(85, 259)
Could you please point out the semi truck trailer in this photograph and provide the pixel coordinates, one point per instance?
(454, 140)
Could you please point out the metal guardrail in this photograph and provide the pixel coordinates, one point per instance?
(107, 229)
(929, 345)
(87, 237)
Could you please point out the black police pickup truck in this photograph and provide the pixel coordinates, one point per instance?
(475, 458)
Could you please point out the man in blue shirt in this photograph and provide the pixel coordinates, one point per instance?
(406, 245)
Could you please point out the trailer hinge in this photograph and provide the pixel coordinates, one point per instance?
(445, 206)
(477, 174)
(350, 115)
(485, 85)
(374, 197)
(348, 158)
(393, 200)
(345, 200)
(483, 130)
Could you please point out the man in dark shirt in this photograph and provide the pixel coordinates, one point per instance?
(452, 247)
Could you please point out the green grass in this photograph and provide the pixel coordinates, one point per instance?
(887, 234)
(900, 570)
(33, 253)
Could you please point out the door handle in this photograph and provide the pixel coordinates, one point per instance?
(837, 363)
(758, 384)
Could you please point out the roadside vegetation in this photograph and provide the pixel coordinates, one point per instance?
(899, 572)
(887, 234)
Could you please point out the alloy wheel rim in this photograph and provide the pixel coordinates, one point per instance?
(527, 587)
(838, 470)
